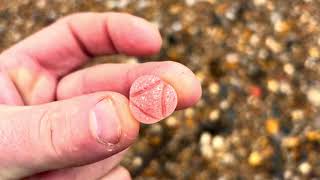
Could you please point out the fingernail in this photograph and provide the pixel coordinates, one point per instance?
(105, 122)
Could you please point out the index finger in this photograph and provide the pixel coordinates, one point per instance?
(71, 41)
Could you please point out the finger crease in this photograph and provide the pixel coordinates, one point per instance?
(79, 42)
(111, 41)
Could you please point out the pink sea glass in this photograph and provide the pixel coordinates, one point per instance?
(152, 99)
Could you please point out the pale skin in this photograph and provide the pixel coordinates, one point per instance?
(47, 100)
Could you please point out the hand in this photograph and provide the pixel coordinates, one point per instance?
(47, 104)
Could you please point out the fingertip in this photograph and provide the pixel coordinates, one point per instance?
(185, 83)
(133, 35)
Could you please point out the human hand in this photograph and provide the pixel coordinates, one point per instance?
(47, 103)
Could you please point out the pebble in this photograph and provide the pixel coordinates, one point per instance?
(305, 168)
(273, 85)
(189, 113)
(290, 142)
(205, 138)
(297, 114)
(137, 162)
(206, 151)
(314, 52)
(218, 143)
(289, 69)
(273, 45)
(259, 2)
(228, 159)
(282, 26)
(172, 122)
(214, 88)
(272, 126)
(214, 115)
(313, 136)
(255, 159)
(313, 95)
(232, 58)
(190, 2)
(285, 87)
(224, 104)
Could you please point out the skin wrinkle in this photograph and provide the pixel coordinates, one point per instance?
(46, 123)
(82, 46)
(111, 40)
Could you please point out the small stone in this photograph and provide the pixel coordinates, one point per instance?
(172, 122)
(310, 63)
(285, 87)
(259, 2)
(289, 69)
(297, 114)
(272, 126)
(190, 2)
(41, 4)
(206, 151)
(314, 52)
(228, 159)
(232, 58)
(218, 143)
(273, 85)
(224, 104)
(214, 115)
(201, 76)
(290, 142)
(255, 159)
(214, 88)
(137, 162)
(176, 26)
(255, 91)
(205, 138)
(313, 136)
(255, 40)
(305, 168)
(189, 113)
(313, 95)
(273, 45)
(282, 26)
(132, 60)
(287, 174)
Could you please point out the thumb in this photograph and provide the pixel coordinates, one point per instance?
(63, 134)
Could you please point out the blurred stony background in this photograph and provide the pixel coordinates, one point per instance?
(259, 64)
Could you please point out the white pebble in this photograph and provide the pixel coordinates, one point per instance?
(214, 88)
(305, 168)
(297, 114)
(285, 87)
(214, 115)
(218, 143)
(205, 138)
(289, 69)
(313, 95)
(172, 122)
(273, 85)
(206, 151)
(224, 104)
(137, 161)
(259, 2)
